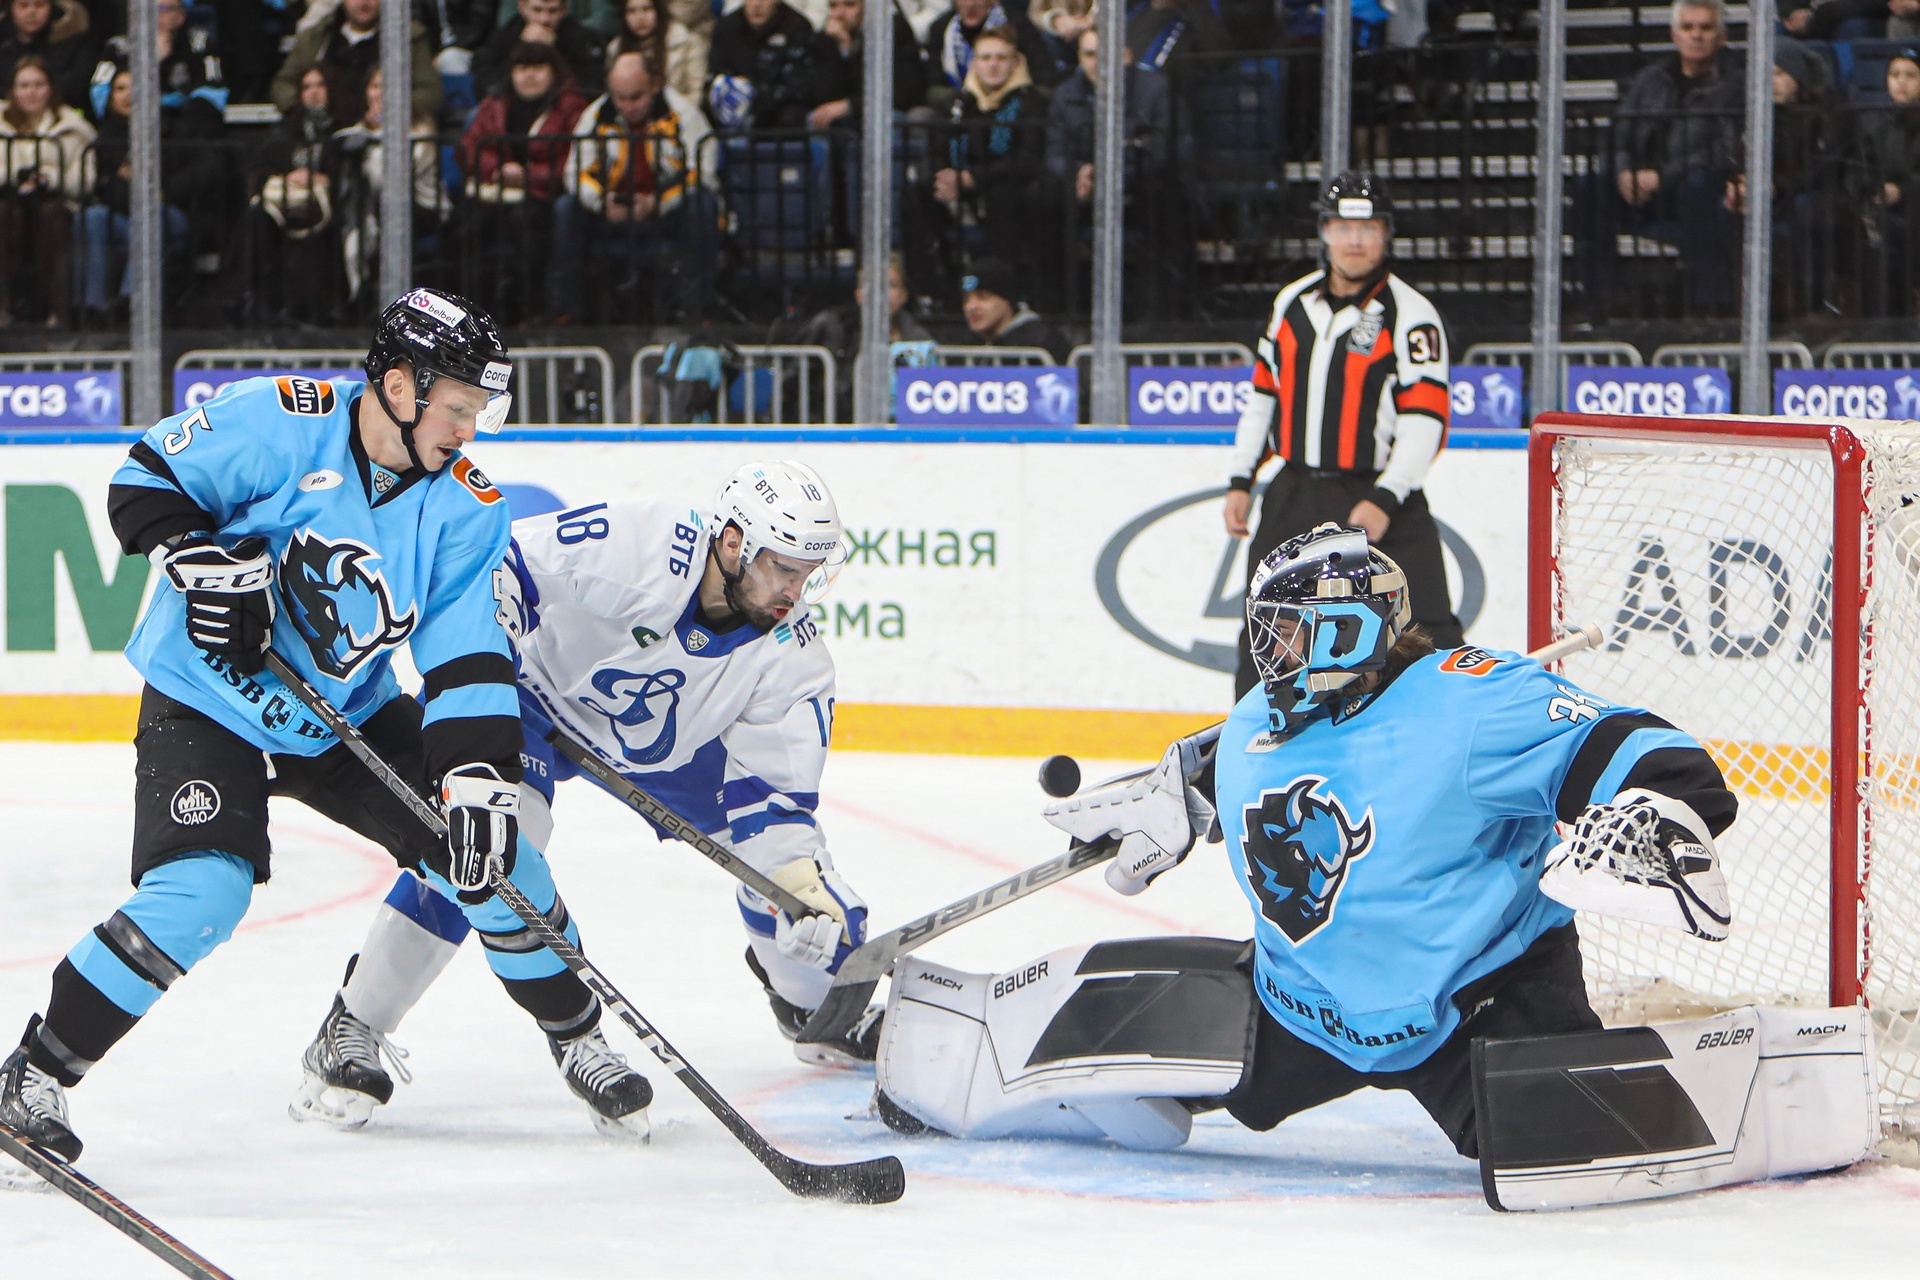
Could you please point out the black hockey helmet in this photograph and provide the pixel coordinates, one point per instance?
(440, 335)
(1357, 193)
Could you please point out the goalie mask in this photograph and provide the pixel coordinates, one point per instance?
(790, 532)
(1323, 609)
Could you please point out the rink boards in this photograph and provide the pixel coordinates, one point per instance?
(1019, 594)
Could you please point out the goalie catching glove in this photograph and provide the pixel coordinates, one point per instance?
(812, 940)
(1156, 815)
(1645, 857)
(482, 820)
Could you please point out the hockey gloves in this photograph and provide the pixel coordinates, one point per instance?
(812, 940)
(1156, 815)
(482, 821)
(229, 596)
(1645, 857)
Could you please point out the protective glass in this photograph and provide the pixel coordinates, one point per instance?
(791, 578)
(494, 416)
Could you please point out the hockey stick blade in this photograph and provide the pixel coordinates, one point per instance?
(877, 1181)
(647, 806)
(108, 1207)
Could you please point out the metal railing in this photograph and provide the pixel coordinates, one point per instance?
(1180, 354)
(977, 356)
(116, 362)
(1871, 355)
(1781, 354)
(1520, 354)
(771, 384)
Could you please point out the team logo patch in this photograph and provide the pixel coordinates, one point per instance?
(1299, 845)
(195, 804)
(304, 395)
(475, 482)
(316, 481)
(1365, 332)
(1469, 662)
(696, 640)
(648, 725)
(341, 607)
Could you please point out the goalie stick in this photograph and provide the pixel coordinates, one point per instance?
(860, 973)
(129, 1221)
(630, 794)
(877, 1181)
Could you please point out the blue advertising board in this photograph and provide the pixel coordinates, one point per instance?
(88, 398)
(1188, 395)
(1486, 395)
(950, 396)
(1847, 393)
(1649, 392)
(194, 387)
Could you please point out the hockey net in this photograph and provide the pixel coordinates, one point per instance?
(1758, 581)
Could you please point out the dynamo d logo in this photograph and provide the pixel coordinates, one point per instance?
(1299, 845)
(646, 732)
(342, 609)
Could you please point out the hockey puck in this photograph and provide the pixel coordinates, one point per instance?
(1059, 775)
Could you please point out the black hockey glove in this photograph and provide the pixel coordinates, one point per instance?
(482, 822)
(229, 597)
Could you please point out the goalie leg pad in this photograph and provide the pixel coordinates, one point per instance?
(1640, 1112)
(1089, 1041)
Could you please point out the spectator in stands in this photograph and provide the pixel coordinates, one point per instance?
(289, 220)
(358, 170)
(1670, 141)
(1883, 182)
(459, 29)
(1903, 19)
(59, 37)
(950, 46)
(104, 225)
(636, 208)
(995, 320)
(845, 22)
(1063, 20)
(669, 46)
(514, 156)
(770, 68)
(582, 50)
(838, 329)
(190, 70)
(1839, 19)
(46, 175)
(347, 44)
(1162, 30)
(996, 148)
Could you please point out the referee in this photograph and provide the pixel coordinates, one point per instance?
(1350, 393)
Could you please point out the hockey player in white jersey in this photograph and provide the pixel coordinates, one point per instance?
(677, 644)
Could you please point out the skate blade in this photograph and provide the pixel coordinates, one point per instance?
(831, 1057)
(634, 1128)
(321, 1103)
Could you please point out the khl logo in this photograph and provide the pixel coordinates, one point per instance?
(641, 740)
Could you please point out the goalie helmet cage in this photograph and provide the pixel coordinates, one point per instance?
(1758, 581)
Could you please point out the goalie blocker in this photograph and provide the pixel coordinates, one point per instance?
(1128, 1040)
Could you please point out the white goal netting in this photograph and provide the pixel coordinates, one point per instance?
(1710, 566)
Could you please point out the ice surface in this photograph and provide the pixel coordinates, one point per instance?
(486, 1167)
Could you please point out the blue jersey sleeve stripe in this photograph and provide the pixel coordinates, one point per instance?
(1637, 745)
(739, 793)
(474, 700)
(755, 824)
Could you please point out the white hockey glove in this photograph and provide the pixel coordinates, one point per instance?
(1156, 815)
(1645, 857)
(229, 596)
(812, 939)
(482, 819)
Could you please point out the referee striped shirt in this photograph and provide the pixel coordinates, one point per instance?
(1354, 385)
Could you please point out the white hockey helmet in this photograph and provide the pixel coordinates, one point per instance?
(785, 508)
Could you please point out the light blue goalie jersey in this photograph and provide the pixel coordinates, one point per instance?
(1394, 857)
(364, 560)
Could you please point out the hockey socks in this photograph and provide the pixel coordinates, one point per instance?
(416, 933)
(181, 911)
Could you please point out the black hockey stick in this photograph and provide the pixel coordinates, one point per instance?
(880, 1180)
(630, 794)
(116, 1212)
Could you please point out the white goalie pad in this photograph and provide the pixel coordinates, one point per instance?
(1086, 1042)
(1640, 1112)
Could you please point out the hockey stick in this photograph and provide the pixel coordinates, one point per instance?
(116, 1212)
(860, 973)
(630, 794)
(877, 1181)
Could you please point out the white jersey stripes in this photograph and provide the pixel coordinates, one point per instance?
(728, 727)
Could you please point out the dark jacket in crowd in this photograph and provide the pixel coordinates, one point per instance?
(64, 44)
(1029, 330)
(1040, 60)
(909, 69)
(1159, 36)
(193, 168)
(349, 63)
(579, 44)
(1070, 135)
(1003, 144)
(1827, 15)
(1676, 125)
(1886, 149)
(300, 140)
(457, 24)
(792, 67)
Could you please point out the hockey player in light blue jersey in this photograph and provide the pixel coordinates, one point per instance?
(1391, 813)
(334, 523)
(675, 642)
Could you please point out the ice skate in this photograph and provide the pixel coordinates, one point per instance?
(855, 1048)
(616, 1095)
(33, 1104)
(345, 1079)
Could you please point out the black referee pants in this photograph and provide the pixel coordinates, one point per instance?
(1297, 502)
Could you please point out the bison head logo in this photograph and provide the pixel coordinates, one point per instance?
(342, 608)
(1299, 846)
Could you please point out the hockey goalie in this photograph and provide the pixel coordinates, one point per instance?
(1414, 831)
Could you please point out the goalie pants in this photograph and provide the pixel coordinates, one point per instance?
(200, 844)
(1541, 993)
(1298, 500)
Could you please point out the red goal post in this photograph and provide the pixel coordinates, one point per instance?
(1758, 581)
